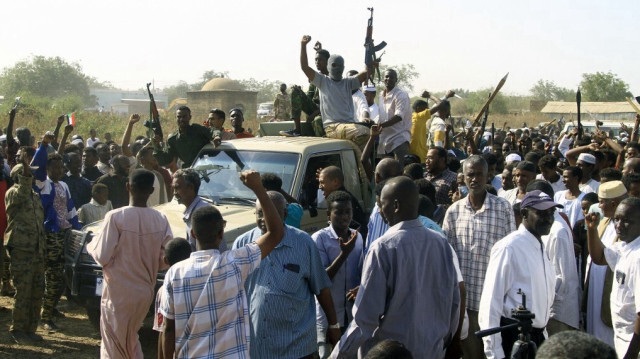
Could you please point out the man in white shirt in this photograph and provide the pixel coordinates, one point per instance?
(548, 166)
(624, 260)
(519, 262)
(396, 124)
(374, 110)
(587, 163)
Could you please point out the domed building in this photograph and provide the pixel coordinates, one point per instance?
(225, 94)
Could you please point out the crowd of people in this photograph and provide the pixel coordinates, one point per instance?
(466, 224)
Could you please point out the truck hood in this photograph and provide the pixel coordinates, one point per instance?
(240, 219)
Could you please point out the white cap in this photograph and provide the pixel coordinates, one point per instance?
(368, 89)
(587, 158)
(513, 157)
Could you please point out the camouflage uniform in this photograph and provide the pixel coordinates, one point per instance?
(54, 267)
(25, 240)
(309, 104)
(282, 105)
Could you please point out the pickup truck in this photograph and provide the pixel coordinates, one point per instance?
(295, 160)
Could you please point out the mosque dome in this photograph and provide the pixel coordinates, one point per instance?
(222, 84)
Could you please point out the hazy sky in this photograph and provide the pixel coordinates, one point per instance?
(453, 44)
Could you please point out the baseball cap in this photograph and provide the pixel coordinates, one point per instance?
(538, 200)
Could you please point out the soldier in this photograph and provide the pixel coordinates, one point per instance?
(26, 244)
(282, 104)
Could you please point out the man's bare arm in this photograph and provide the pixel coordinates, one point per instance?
(304, 60)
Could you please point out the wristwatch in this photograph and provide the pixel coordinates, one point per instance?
(334, 326)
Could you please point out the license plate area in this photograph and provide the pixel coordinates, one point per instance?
(99, 282)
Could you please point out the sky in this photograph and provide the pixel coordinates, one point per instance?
(465, 44)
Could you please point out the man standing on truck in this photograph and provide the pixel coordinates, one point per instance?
(336, 104)
(130, 249)
(183, 144)
(282, 104)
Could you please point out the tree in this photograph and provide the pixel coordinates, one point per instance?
(50, 77)
(266, 89)
(406, 75)
(603, 87)
(476, 100)
(548, 91)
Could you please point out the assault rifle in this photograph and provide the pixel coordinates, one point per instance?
(371, 49)
(154, 122)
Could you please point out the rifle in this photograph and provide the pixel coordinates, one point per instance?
(578, 100)
(371, 49)
(154, 122)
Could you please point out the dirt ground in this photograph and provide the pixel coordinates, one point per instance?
(77, 338)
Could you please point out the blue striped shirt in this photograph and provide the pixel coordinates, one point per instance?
(280, 293)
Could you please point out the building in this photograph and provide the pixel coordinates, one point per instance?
(125, 102)
(591, 111)
(225, 94)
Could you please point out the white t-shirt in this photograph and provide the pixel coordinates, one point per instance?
(336, 104)
(572, 207)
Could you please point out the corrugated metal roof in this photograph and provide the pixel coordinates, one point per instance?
(585, 107)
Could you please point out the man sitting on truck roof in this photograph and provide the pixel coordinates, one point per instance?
(185, 143)
(336, 104)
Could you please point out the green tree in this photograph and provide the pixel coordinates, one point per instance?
(266, 89)
(406, 75)
(603, 87)
(50, 77)
(548, 91)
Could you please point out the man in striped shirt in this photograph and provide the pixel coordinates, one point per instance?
(472, 225)
(205, 306)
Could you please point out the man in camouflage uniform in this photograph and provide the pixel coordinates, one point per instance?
(282, 104)
(309, 103)
(25, 238)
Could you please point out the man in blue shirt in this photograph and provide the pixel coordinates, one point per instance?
(281, 294)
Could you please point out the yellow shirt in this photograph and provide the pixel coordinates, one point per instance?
(418, 143)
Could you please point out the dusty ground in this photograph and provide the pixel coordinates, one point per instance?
(76, 339)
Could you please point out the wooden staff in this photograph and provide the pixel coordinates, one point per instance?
(476, 122)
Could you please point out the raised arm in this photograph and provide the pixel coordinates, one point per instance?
(365, 157)
(126, 138)
(596, 248)
(56, 132)
(274, 223)
(304, 60)
(63, 143)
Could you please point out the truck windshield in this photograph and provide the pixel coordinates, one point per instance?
(220, 172)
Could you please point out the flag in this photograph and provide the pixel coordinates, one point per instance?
(72, 119)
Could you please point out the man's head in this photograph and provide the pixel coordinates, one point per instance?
(104, 154)
(183, 118)
(436, 160)
(542, 186)
(140, 185)
(121, 165)
(388, 349)
(419, 106)
(573, 344)
(390, 79)
(185, 184)
(631, 165)
(107, 136)
(399, 200)
(207, 227)
(177, 250)
(271, 182)
(55, 167)
(387, 168)
(588, 200)
(115, 149)
(281, 206)
(587, 163)
(507, 177)
(571, 177)
(610, 195)
(335, 65)
(475, 171)
(92, 133)
(627, 219)
(413, 171)
(633, 150)
(216, 118)
(74, 164)
(537, 209)
(524, 173)
(548, 166)
(330, 179)
(322, 58)
(610, 174)
(370, 94)
(339, 210)
(492, 163)
(89, 157)
(146, 158)
(526, 144)
(100, 193)
(632, 184)
(283, 88)
(237, 118)
(24, 136)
